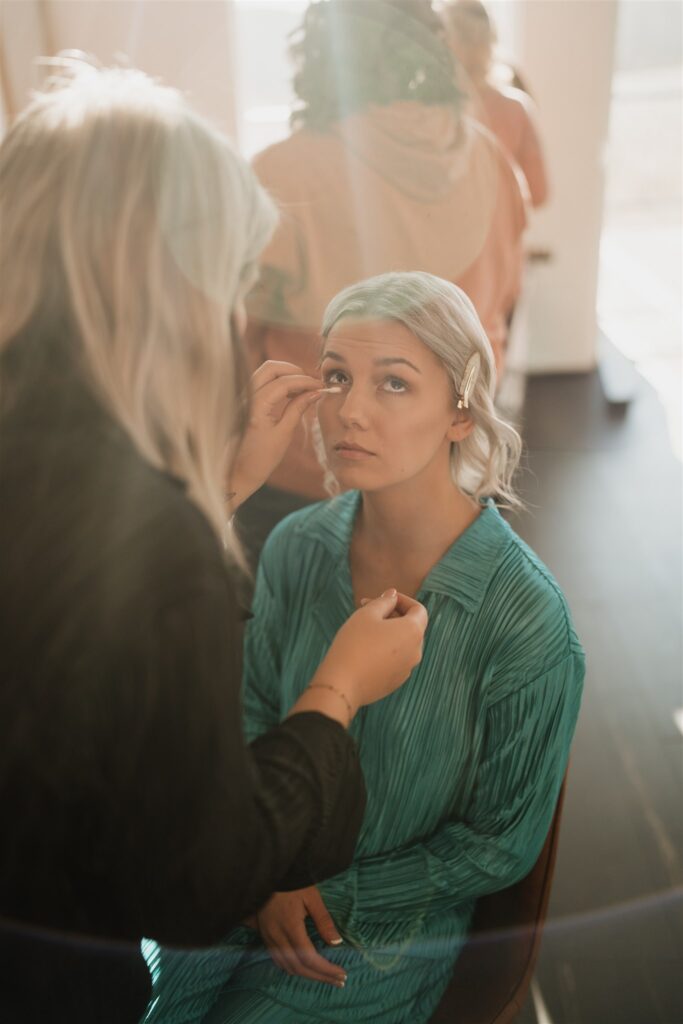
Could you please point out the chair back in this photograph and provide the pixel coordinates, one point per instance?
(492, 975)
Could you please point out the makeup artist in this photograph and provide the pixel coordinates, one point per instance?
(130, 803)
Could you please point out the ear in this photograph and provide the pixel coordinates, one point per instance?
(461, 427)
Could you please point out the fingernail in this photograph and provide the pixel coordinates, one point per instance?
(330, 391)
(340, 984)
(391, 592)
(336, 942)
(363, 602)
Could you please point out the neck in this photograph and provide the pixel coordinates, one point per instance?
(418, 518)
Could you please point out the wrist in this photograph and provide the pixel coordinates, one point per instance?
(328, 699)
(339, 693)
(239, 488)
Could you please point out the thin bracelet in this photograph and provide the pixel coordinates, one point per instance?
(339, 693)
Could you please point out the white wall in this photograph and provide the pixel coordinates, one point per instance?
(22, 40)
(565, 50)
(187, 43)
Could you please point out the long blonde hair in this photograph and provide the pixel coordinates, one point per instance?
(128, 217)
(444, 319)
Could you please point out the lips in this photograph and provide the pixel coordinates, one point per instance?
(349, 451)
(348, 446)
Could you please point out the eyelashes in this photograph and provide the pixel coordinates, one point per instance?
(390, 385)
(334, 377)
(390, 381)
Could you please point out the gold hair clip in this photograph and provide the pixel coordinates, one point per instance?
(469, 379)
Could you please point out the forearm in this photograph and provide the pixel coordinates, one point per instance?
(312, 795)
(290, 819)
(432, 877)
(502, 833)
(240, 490)
(222, 824)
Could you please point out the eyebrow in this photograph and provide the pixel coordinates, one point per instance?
(384, 361)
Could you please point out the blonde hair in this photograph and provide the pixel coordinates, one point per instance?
(127, 217)
(442, 317)
(470, 29)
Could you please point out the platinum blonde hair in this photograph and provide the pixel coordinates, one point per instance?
(128, 218)
(442, 317)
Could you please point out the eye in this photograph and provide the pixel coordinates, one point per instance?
(394, 385)
(337, 377)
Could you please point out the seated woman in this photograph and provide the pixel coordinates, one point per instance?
(463, 765)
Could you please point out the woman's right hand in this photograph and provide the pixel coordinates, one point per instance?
(376, 649)
(281, 394)
(282, 924)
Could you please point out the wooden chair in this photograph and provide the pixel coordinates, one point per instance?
(493, 973)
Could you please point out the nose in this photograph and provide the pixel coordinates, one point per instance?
(352, 410)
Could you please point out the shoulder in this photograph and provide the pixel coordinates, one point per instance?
(310, 539)
(516, 100)
(317, 525)
(121, 534)
(488, 157)
(282, 165)
(517, 118)
(168, 545)
(529, 618)
(528, 587)
(182, 522)
(481, 141)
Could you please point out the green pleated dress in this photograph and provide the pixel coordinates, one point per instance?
(463, 766)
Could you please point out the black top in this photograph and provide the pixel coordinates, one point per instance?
(130, 803)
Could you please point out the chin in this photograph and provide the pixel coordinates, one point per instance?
(351, 473)
(360, 478)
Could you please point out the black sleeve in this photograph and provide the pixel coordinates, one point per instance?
(215, 826)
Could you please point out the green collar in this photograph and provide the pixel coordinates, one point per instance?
(463, 573)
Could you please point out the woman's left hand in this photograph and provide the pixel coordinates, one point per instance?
(281, 394)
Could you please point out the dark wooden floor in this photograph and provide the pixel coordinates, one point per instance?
(604, 496)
